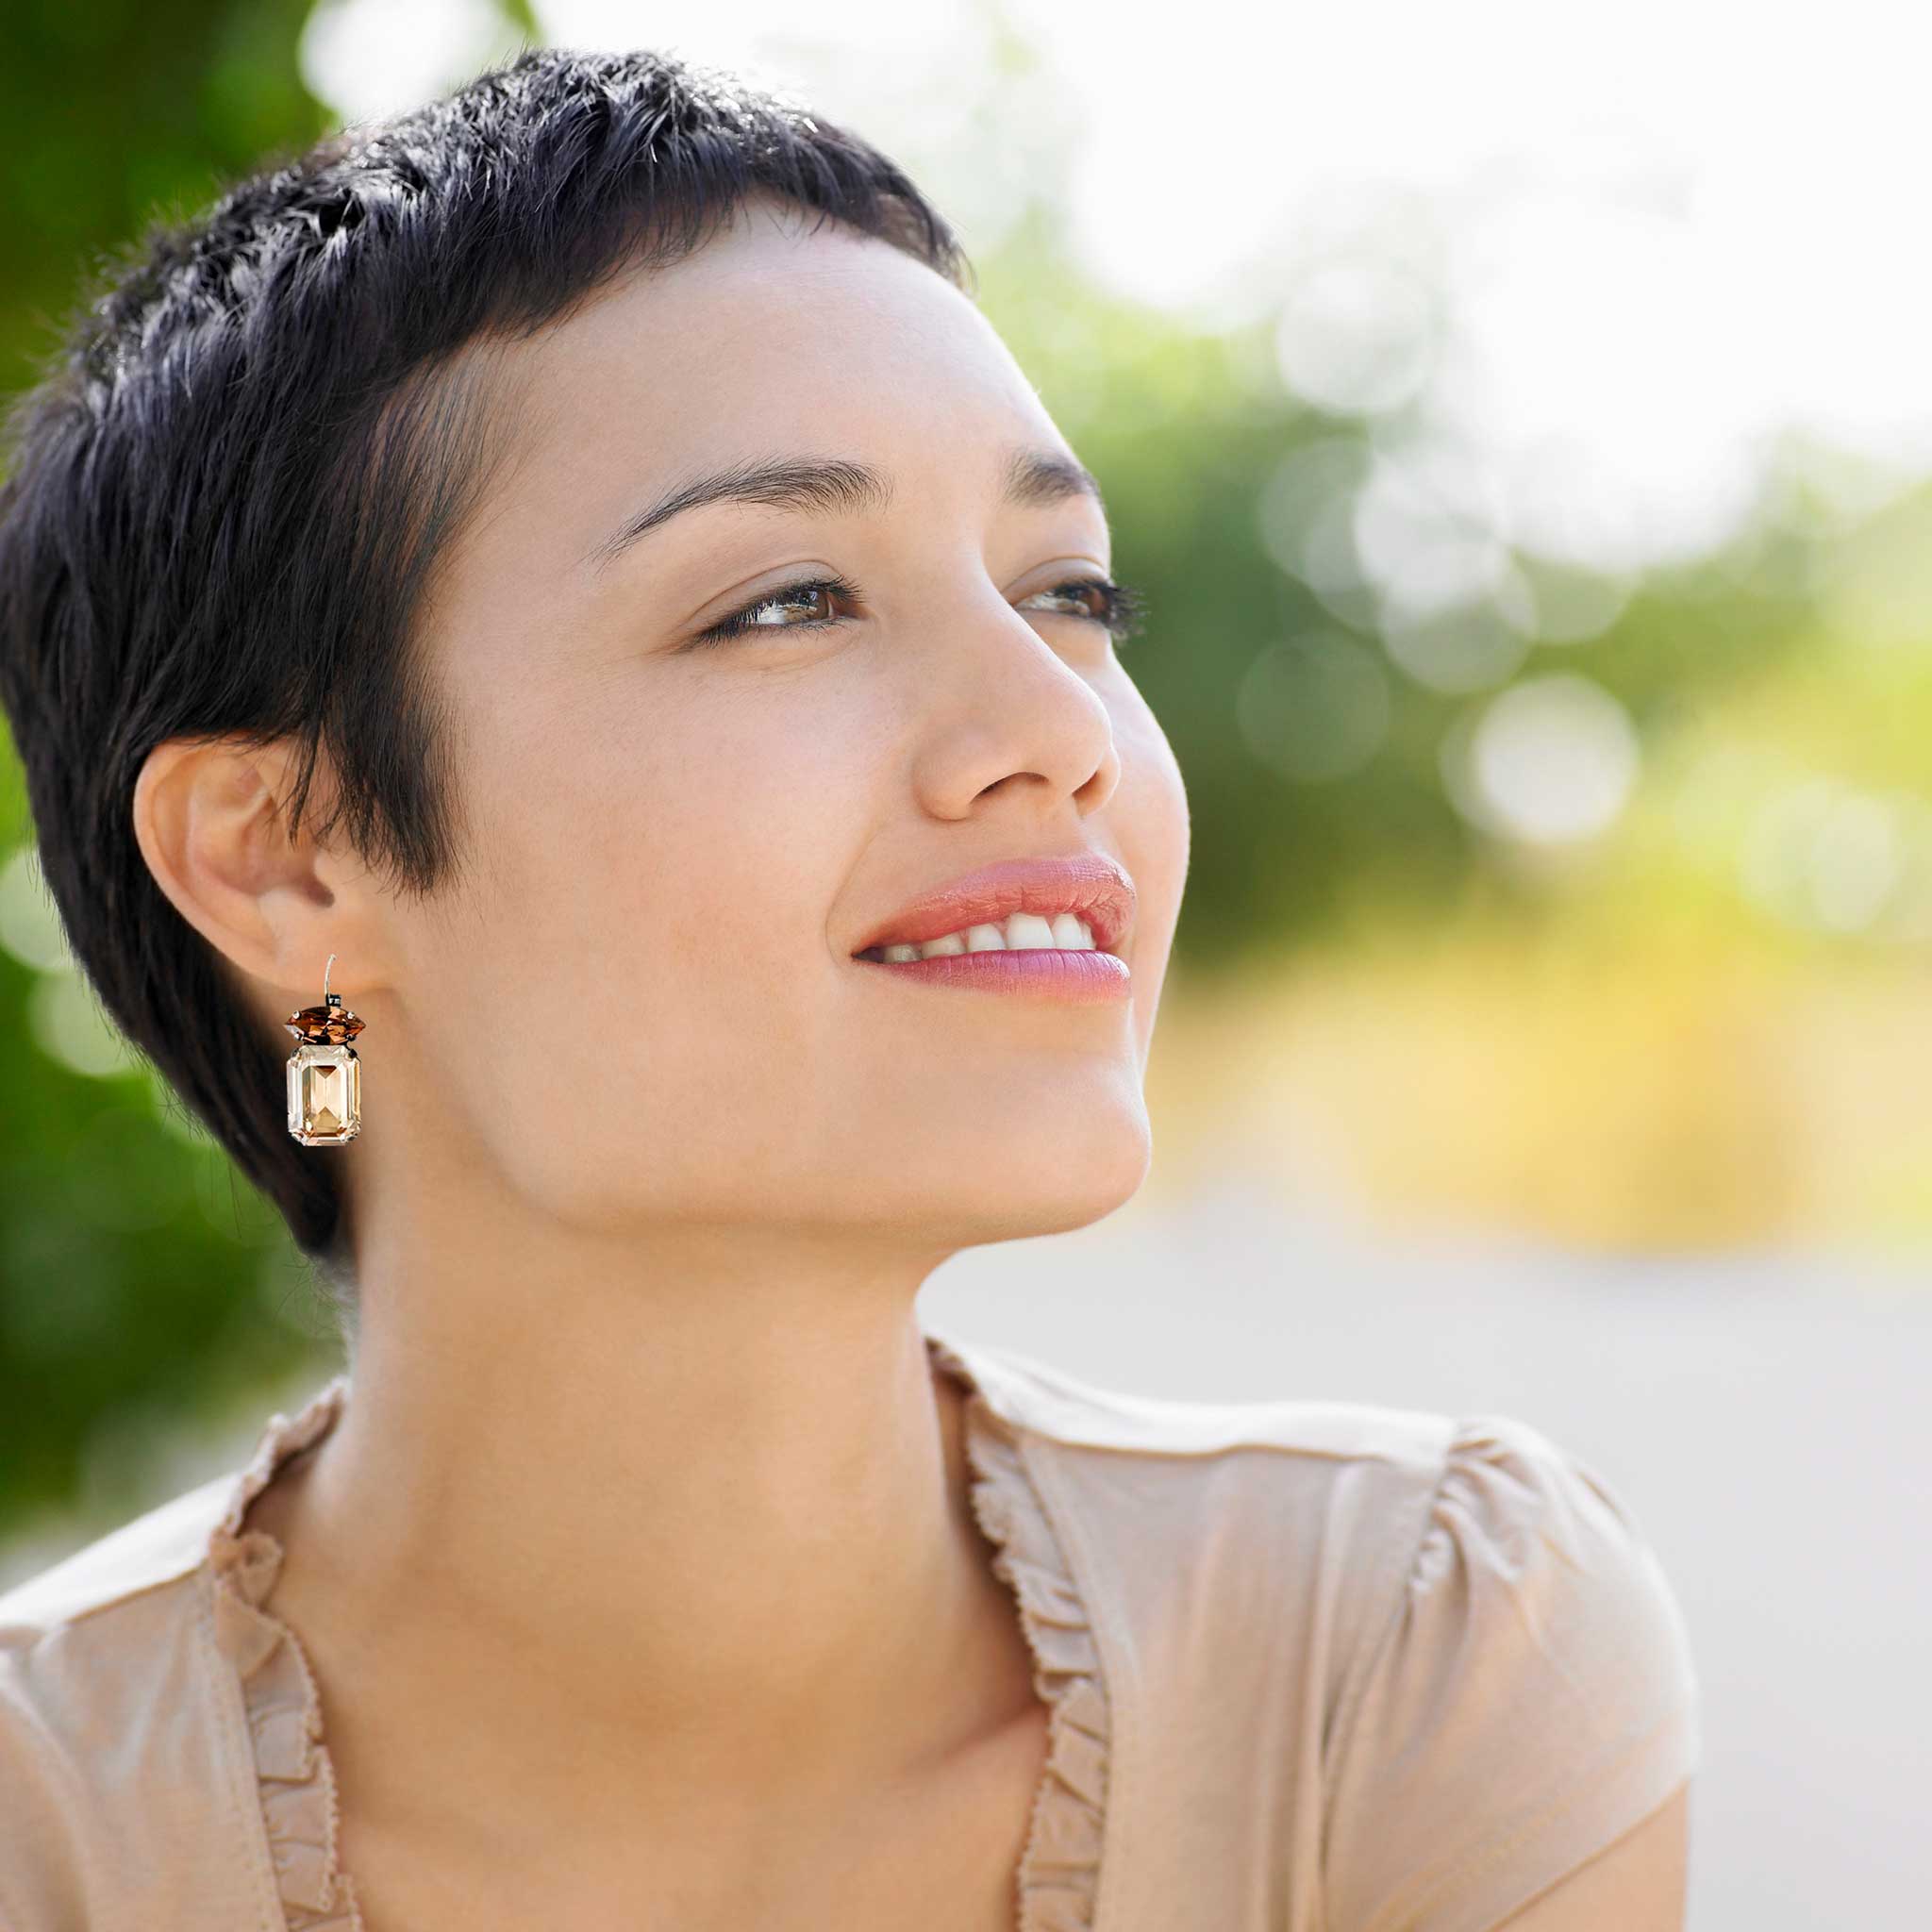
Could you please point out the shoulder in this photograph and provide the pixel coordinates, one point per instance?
(1528, 1696)
(100, 1687)
(155, 1548)
(1352, 1481)
(129, 1759)
(115, 1620)
(90, 1631)
(1207, 1538)
(1455, 1620)
(1426, 1502)
(99, 1583)
(1052, 1401)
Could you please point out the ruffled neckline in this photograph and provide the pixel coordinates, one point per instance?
(293, 1776)
(1057, 1879)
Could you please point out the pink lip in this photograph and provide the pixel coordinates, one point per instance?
(1087, 884)
(1079, 978)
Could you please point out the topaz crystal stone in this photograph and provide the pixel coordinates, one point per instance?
(325, 1076)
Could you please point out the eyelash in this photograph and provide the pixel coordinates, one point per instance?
(1122, 609)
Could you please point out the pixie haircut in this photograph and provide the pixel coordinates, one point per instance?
(230, 489)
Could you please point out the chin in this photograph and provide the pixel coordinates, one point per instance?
(1067, 1176)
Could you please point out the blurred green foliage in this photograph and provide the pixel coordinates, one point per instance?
(116, 112)
(138, 1275)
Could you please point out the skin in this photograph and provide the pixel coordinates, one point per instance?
(642, 1555)
(1636, 1884)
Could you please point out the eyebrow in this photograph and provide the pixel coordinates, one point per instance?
(827, 486)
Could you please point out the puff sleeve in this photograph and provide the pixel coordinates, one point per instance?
(1529, 1696)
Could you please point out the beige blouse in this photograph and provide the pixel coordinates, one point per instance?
(1311, 1667)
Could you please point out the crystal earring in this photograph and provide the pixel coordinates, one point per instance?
(325, 1074)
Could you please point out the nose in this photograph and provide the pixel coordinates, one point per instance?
(1006, 708)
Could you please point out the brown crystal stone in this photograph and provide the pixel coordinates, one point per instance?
(331, 1024)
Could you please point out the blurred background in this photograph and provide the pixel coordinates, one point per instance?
(1519, 419)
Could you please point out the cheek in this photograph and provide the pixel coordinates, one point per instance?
(1148, 815)
(679, 817)
(658, 899)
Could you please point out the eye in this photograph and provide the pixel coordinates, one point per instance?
(1120, 606)
(788, 598)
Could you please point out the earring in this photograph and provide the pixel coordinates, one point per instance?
(325, 1074)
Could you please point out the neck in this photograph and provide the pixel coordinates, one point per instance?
(702, 1523)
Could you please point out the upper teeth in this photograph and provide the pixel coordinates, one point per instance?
(1016, 931)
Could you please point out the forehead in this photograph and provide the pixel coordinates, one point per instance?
(774, 334)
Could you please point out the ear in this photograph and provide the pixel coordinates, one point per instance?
(211, 819)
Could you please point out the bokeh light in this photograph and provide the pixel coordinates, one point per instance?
(1551, 760)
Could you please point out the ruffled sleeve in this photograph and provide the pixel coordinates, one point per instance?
(1528, 1697)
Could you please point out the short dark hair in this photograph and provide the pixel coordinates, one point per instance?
(230, 490)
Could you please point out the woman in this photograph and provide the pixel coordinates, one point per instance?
(754, 872)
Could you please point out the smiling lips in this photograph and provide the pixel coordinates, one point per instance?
(1086, 885)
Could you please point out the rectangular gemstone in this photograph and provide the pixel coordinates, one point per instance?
(325, 1094)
